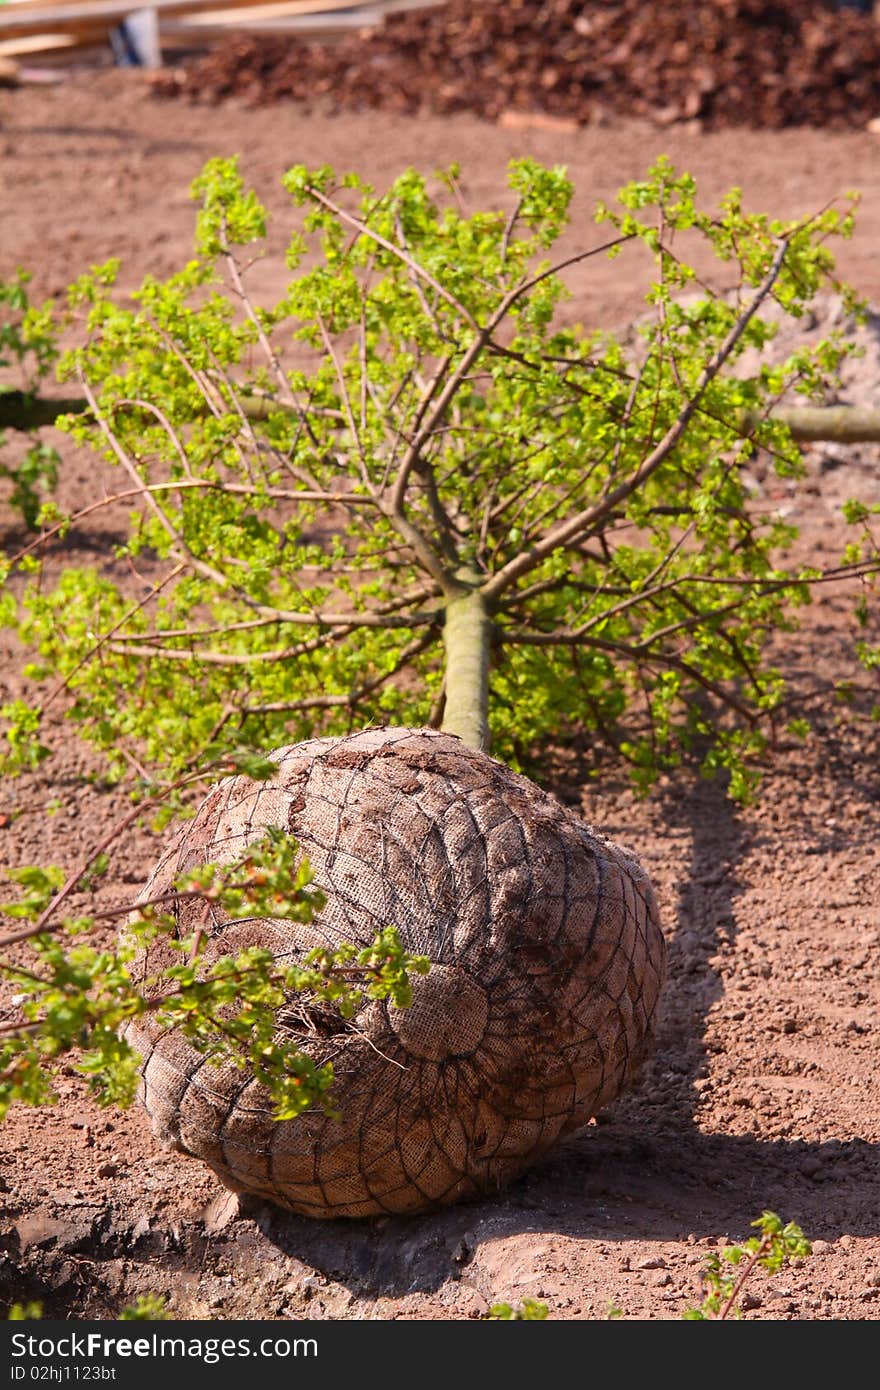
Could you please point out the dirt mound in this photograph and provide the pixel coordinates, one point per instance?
(723, 62)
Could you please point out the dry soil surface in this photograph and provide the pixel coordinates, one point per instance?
(763, 1091)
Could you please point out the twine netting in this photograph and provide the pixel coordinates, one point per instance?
(547, 961)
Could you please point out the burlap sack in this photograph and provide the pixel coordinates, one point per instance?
(547, 961)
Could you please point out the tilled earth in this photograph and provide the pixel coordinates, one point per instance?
(762, 1093)
(719, 62)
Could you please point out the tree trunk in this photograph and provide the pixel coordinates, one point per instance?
(20, 411)
(836, 424)
(467, 637)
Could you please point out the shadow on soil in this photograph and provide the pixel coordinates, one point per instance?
(603, 1183)
(644, 1171)
(600, 1187)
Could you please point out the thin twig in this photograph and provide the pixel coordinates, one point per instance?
(364, 230)
(70, 884)
(588, 519)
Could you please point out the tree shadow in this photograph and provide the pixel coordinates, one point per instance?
(601, 1186)
(77, 540)
(646, 1170)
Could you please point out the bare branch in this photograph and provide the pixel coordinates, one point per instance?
(382, 613)
(181, 549)
(331, 632)
(351, 698)
(270, 354)
(208, 391)
(166, 424)
(417, 435)
(346, 403)
(349, 621)
(421, 548)
(352, 499)
(416, 283)
(508, 228)
(70, 884)
(106, 636)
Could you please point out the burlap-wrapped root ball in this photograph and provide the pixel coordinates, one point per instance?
(547, 961)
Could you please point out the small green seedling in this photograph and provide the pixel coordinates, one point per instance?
(529, 1310)
(773, 1246)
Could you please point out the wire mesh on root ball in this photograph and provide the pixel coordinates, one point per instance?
(546, 954)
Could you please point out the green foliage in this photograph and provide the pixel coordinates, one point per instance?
(726, 1273)
(529, 1310)
(311, 482)
(25, 1312)
(27, 335)
(31, 478)
(25, 748)
(78, 997)
(27, 341)
(149, 1307)
(865, 549)
(40, 886)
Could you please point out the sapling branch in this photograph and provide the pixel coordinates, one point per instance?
(586, 522)
(78, 997)
(363, 229)
(152, 409)
(105, 637)
(748, 1269)
(418, 432)
(346, 404)
(180, 547)
(349, 700)
(470, 470)
(284, 391)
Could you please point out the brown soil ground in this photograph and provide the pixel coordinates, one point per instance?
(763, 1090)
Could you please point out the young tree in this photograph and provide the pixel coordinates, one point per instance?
(405, 494)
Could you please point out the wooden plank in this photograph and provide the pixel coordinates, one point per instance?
(35, 43)
(281, 17)
(180, 39)
(271, 18)
(196, 22)
(22, 8)
(26, 5)
(96, 16)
